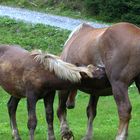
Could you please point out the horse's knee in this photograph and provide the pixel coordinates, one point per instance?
(58, 112)
(70, 104)
(88, 111)
(49, 116)
(61, 110)
(125, 113)
(11, 107)
(71, 99)
(120, 92)
(32, 122)
(91, 112)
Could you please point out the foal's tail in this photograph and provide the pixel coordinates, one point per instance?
(62, 69)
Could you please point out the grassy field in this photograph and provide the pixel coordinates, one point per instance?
(105, 124)
(52, 39)
(32, 36)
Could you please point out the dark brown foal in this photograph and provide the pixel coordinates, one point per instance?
(36, 76)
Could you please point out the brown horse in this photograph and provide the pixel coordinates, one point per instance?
(117, 50)
(36, 75)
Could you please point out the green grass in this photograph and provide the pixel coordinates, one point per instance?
(105, 124)
(32, 36)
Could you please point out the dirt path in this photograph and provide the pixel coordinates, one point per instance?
(43, 18)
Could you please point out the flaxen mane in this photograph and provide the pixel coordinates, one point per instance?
(62, 69)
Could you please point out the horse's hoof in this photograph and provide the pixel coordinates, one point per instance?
(70, 105)
(68, 136)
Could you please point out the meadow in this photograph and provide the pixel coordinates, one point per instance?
(52, 39)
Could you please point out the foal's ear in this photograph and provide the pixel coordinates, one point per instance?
(91, 69)
(97, 72)
(84, 75)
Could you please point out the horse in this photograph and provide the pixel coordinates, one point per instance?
(36, 75)
(116, 49)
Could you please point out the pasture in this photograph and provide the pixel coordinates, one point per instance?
(105, 123)
(52, 39)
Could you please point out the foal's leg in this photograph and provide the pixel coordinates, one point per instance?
(71, 99)
(62, 112)
(12, 107)
(120, 92)
(48, 102)
(32, 120)
(91, 114)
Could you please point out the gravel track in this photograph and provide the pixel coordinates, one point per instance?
(43, 18)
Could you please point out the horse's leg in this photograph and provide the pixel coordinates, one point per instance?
(120, 92)
(32, 120)
(48, 103)
(62, 112)
(91, 114)
(71, 99)
(12, 107)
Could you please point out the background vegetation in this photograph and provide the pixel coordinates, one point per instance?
(32, 36)
(105, 10)
(105, 125)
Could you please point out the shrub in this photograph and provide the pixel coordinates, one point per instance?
(112, 10)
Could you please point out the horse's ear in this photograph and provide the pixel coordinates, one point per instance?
(91, 69)
(97, 72)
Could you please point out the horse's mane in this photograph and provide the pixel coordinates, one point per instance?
(61, 69)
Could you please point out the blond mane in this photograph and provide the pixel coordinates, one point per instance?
(60, 68)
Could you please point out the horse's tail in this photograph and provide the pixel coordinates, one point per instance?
(137, 82)
(62, 69)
